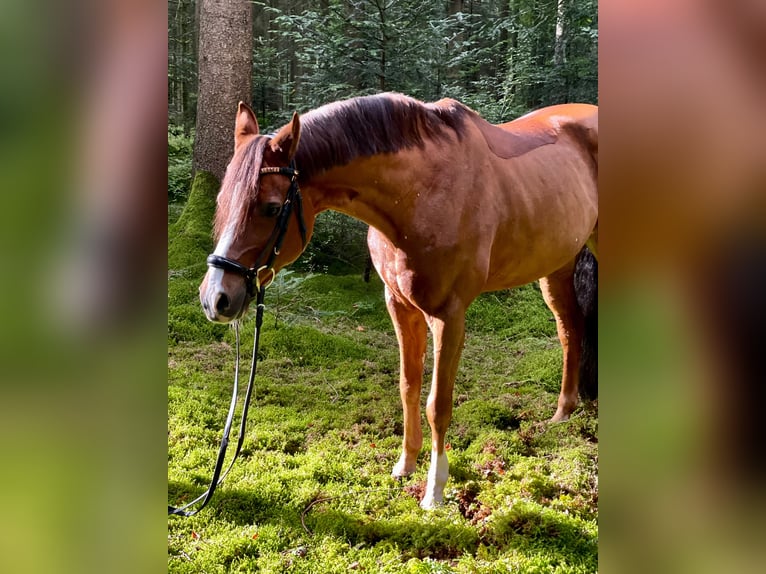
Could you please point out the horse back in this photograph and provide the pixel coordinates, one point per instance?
(542, 127)
(578, 121)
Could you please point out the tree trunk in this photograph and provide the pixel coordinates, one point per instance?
(383, 40)
(224, 70)
(559, 55)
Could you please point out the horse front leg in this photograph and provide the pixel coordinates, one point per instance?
(410, 327)
(449, 335)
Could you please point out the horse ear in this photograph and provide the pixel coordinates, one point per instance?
(286, 140)
(245, 126)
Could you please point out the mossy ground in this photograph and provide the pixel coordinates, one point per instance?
(325, 427)
(189, 242)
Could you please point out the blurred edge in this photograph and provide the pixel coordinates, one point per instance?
(683, 248)
(83, 228)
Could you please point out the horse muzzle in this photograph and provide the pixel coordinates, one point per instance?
(224, 297)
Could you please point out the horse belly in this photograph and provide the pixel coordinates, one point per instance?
(544, 223)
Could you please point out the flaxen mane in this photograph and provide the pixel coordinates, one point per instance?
(239, 187)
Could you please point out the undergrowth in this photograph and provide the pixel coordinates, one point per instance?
(325, 428)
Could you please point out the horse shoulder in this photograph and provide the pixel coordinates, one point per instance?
(426, 283)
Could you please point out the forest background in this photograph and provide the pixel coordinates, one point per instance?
(499, 57)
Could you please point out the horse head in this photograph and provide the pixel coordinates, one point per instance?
(261, 221)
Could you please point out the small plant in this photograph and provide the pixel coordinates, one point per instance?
(180, 146)
(338, 245)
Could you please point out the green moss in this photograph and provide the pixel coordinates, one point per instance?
(474, 416)
(533, 529)
(539, 362)
(326, 421)
(185, 324)
(189, 238)
(341, 300)
(307, 346)
(189, 242)
(186, 321)
(514, 314)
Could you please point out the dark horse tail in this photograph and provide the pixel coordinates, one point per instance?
(586, 289)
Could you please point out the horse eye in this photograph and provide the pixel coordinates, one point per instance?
(272, 209)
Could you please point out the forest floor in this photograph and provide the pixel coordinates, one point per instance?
(326, 428)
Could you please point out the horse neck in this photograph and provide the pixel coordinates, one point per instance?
(375, 190)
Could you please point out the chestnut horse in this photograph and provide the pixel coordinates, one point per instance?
(456, 207)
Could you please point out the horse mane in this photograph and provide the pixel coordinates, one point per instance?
(338, 133)
(239, 187)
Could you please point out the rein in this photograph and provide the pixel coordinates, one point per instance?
(257, 289)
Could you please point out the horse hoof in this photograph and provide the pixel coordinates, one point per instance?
(402, 469)
(401, 472)
(430, 503)
(560, 416)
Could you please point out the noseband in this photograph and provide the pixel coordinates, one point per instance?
(277, 237)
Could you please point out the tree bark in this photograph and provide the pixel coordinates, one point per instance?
(559, 55)
(224, 72)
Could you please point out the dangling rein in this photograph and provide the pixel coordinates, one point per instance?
(257, 289)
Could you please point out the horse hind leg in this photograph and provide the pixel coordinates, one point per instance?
(559, 293)
(410, 326)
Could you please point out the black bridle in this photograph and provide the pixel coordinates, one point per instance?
(257, 289)
(274, 243)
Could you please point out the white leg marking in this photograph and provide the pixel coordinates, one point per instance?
(438, 473)
(401, 468)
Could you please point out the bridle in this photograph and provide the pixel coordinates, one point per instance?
(254, 288)
(275, 240)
